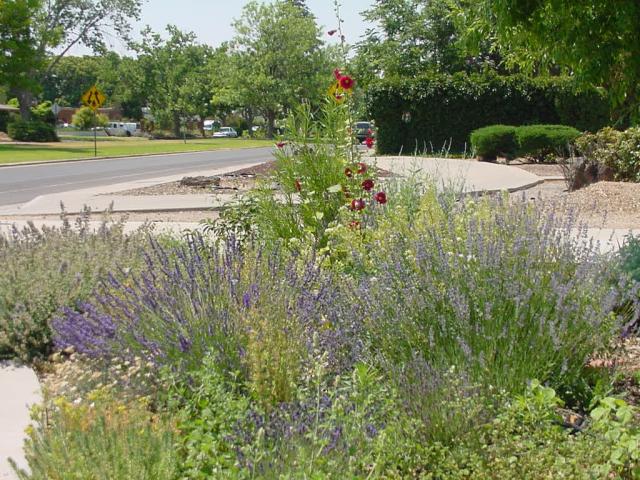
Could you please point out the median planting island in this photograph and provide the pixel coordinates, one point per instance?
(432, 272)
(336, 321)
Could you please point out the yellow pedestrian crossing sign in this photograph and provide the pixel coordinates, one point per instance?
(93, 98)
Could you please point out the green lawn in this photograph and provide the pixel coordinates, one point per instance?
(108, 147)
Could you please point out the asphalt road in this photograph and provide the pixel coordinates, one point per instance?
(19, 184)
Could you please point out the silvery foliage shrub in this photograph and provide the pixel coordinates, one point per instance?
(502, 292)
(45, 269)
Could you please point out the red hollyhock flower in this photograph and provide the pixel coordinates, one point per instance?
(298, 185)
(348, 172)
(369, 142)
(331, 33)
(367, 184)
(381, 197)
(362, 167)
(357, 204)
(337, 73)
(346, 82)
(281, 144)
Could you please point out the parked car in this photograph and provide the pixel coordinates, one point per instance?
(226, 132)
(122, 129)
(364, 130)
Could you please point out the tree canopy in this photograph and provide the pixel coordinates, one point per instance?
(38, 34)
(18, 54)
(597, 41)
(173, 72)
(278, 58)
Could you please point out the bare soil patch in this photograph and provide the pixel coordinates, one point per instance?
(238, 181)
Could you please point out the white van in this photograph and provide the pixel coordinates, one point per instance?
(122, 129)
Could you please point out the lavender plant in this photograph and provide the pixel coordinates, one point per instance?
(44, 269)
(502, 292)
(238, 305)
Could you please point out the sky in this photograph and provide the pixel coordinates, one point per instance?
(211, 20)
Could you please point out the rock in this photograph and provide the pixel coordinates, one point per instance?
(587, 172)
(56, 357)
(200, 182)
(69, 350)
(605, 173)
(584, 173)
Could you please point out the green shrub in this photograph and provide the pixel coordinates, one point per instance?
(5, 119)
(618, 151)
(85, 118)
(445, 109)
(539, 141)
(319, 174)
(446, 288)
(627, 166)
(43, 270)
(490, 142)
(100, 438)
(43, 113)
(32, 131)
(629, 255)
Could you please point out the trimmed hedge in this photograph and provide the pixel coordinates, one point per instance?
(541, 140)
(32, 131)
(445, 109)
(489, 142)
(527, 141)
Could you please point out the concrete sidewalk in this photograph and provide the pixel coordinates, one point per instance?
(102, 198)
(20, 390)
(469, 176)
(171, 228)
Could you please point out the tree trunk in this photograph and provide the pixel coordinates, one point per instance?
(248, 117)
(176, 124)
(271, 123)
(25, 99)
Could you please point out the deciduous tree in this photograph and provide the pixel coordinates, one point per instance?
(174, 74)
(597, 41)
(279, 59)
(56, 26)
(18, 45)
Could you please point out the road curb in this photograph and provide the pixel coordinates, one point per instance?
(95, 159)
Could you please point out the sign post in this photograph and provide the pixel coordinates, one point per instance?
(94, 99)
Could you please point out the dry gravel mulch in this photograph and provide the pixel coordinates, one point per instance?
(616, 203)
(540, 169)
(602, 204)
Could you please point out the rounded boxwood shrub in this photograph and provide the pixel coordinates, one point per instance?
(32, 131)
(540, 140)
(489, 142)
